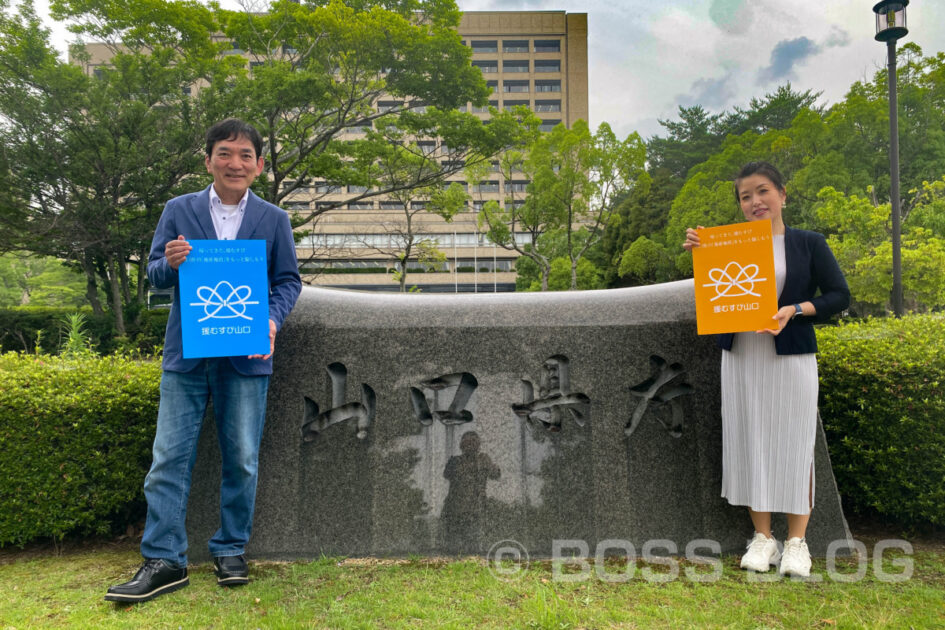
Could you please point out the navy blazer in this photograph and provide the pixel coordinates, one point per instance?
(810, 266)
(190, 215)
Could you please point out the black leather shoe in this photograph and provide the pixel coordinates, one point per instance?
(231, 570)
(155, 577)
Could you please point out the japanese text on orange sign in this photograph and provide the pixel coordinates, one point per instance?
(733, 269)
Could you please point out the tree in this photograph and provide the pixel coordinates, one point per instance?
(575, 176)
(93, 158)
(322, 73)
(861, 242)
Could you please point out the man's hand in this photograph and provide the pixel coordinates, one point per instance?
(176, 252)
(272, 343)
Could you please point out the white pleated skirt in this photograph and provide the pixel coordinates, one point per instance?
(769, 422)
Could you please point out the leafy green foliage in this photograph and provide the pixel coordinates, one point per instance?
(74, 443)
(75, 338)
(575, 177)
(882, 384)
(861, 240)
(39, 281)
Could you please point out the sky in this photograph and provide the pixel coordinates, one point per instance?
(647, 58)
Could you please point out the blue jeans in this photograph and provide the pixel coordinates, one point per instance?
(239, 405)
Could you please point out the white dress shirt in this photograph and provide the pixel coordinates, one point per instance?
(226, 218)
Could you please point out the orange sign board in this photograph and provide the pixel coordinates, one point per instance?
(733, 268)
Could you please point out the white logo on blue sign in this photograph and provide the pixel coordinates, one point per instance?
(235, 301)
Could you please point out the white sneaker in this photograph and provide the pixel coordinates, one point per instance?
(762, 553)
(796, 558)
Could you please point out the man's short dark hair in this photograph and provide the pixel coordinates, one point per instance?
(231, 129)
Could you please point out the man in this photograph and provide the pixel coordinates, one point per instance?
(238, 385)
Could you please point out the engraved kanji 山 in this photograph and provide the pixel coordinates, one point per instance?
(362, 413)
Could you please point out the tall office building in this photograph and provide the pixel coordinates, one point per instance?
(532, 58)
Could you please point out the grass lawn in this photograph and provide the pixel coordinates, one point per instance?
(42, 589)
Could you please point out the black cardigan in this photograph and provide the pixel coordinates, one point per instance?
(810, 266)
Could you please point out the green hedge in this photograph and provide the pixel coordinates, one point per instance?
(882, 384)
(75, 438)
(19, 327)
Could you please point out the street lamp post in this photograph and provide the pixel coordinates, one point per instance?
(890, 26)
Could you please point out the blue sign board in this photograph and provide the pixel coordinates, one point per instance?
(224, 299)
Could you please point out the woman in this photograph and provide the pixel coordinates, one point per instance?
(769, 381)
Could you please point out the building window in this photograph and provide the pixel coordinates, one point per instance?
(515, 45)
(324, 187)
(485, 110)
(486, 187)
(516, 186)
(548, 85)
(548, 125)
(392, 205)
(462, 185)
(418, 205)
(523, 238)
(452, 165)
(493, 85)
(295, 206)
(511, 104)
(547, 65)
(359, 128)
(517, 65)
(418, 108)
(466, 240)
(355, 188)
(515, 86)
(325, 205)
(426, 146)
(486, 67)
(547, 45)
(361, 205)
(386, 106)
(547, 106)
(485, 46)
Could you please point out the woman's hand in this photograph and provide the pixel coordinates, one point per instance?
(782, 317)
(692, 238)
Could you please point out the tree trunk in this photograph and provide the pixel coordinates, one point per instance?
(122, 268)
(91, 286)
(403, 276)
(574, 275)
(142, 293)
(113, 271)
(545, 272)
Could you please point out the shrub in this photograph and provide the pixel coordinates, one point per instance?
(75, 437)
(21, 326)
(883, 407)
